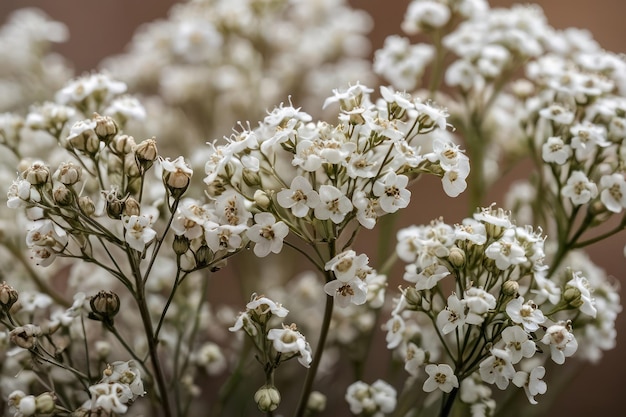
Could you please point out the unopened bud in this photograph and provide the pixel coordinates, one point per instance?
(261, 199)
(113, 204)
(122, 145)
(251, 178)
(572, 297)
(83, 138)
(8, 296)
(510, 288)
(267, 398)
(203, 255)
(131, 166)
(413, 298)
(316, 402)
(457, 257)
(62, 195)
(146, 153)
(104, 306)
(68, 173)
(180, 245)
(86, 205)
(25, 336)
(131, 207)
(45, 403)
(105, 128)
(37, 174)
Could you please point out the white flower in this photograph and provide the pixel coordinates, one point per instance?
(334, 205)
(579, 189)
(138, 231)
(527, 314)
(347, 265)
(440, 377)
(392, 192)
(613, 194)
(557, 114)
(561, 341)
(555, 150)
(375, 400)
(414, 358)
(453, 316)
(109, 397)
(517, 343)
(210, 357)
(223, 237)
(395, 327)
(425, 15)
(267, 234)
(300, 197)
(289, 340)
(262, 306)
(479, 303)
(24, 405)
(497, 368)
(345, 293)
(368, 209)
(506, 251)
(428, 277)
(531, 382)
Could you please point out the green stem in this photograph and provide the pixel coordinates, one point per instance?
(310, 376)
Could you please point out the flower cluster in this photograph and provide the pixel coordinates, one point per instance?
(109, 304)
(507, 315)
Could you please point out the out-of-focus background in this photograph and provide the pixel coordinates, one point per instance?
(102, 28)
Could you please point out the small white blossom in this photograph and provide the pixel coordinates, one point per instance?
(613, 194)
(517, 342)
(289, 340)
(561, 341)
(300, 197)
(334, 205)
(497, 368)
(392, 193)
(453, 316)
(374, 400)
(440, 377)
(139, 232)
(428, 277)
(526, 314)
(267, 234)
(579, 188)
(479, 303)
(531, 382)
(346, 293)
(555, 150)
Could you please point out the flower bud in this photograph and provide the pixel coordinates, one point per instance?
(267, 398)
(316, 402)
(203, 255)
(413, 298)
(45, 403)
(180, 245)
(86, 205)
(62, 195)
(68, 173)
(131, 166)
(8, 296)
(104, 306)
(113, 204)
(572, 297)
(131, 207)
(122, 145)
(105, 128)
(510, 288)
(261, 199)
(251, 178)
(83, 138)
(103, 349)
(25, 336)
(36, 174)
(457, 257)
(176, 175)
(146, 153)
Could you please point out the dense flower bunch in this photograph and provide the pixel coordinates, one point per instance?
(111, 246)
(499, 313)
(224, 61)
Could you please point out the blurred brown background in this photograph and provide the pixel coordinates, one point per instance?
(100, 28)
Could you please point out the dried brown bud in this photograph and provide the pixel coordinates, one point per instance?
(105, 128)
(203, 255)
(8, 296)
(146, 152)
(25, 336)
(68, 173)
(114, 205)
(104, 306)
(86, 205)
(122, 145)
(37, 173)
(180, 245)
(62, 195)
(510, 288)
(85, 141)
(131, 207)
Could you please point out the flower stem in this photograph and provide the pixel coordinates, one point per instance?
(319, 350)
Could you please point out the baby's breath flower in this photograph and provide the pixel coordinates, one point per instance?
(440, 377)
(139, 232)
(267, 234)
